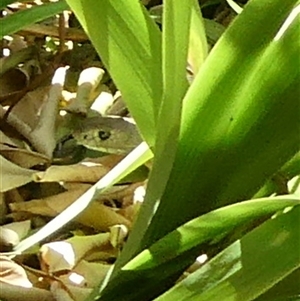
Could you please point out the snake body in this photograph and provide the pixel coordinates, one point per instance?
(108, 134)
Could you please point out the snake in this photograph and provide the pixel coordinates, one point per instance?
(113, 135)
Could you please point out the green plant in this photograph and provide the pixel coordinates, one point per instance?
(19, 20)
(215, 143)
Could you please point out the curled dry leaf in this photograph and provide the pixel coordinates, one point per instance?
(85, 245)
(12, 81)
(73, 294)
(28, 108)
(57, 256)
(22, 157)
(21, 228)
(109, 161)
(118, 234)
(101, 217)
(50, 206)
(11, 234)
(11, 293)
(103, 101)
(43, 134)
(64, 255)
(13, 176)
(91, 274)
(96, 215)
(88, 81)
(3, 208)
(6, 140)
(8, 239)
(73, 173)
(12, 273)
(87, 171)
(106, 254)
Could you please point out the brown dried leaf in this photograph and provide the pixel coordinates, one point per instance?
(13, 293)
(27, 109)
(12, 273)
(5, 139)
(96, 215)
(12, 175)
(86, 173)
(12, 81)
(21, 228)
(73, 294)
(64, 255)
(92, 273)
(22, 157)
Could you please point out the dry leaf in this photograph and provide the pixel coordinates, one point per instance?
(64, 255)
(23, 157)
(3, 208)
(77, 293)
(57, 256)
(8, 239)
(12, 81)
(92, 273)
(28, 108)
(21, 228)
(5, 140)
(13, 176)
(12, 273)
(13, 293)
(96, 215)
(73, 173)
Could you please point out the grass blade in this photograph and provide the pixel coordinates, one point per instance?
(17, 21)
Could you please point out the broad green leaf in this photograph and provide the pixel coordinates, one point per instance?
(213, 30)
(247, 268)
(287, 289)
(129, 44)
(292, 167)
(176, 29)
(278, 182)
(180, 248)
(17, 21)
(198, 48)
(198, 30)
(240, 120)
(239, 124)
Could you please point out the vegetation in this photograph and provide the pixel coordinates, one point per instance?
(224, 181)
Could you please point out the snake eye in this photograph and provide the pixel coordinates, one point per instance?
(103, 135)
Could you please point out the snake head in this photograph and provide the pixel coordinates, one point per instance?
(108, 134)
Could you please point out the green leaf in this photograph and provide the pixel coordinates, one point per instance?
(176, 29)
(248, 267)
(129, 44)
(239, 124)
(287, 289)
(240, 118)
(292, 167)
(17, 21)
(179, 248)
(198, 48)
